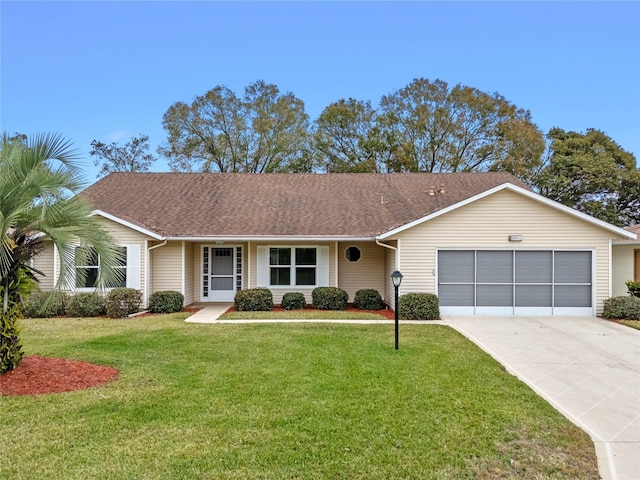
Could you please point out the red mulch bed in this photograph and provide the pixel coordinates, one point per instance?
(39, 375)
(385, 312)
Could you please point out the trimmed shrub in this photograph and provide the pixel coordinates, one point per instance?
(86, 305)
(293, 301)
(253, 300)
(623, 308)
(45, 304)
(368, 299)
(329, 298)
(633, 287)
(419, 306)
(167, 301)
(122, 302)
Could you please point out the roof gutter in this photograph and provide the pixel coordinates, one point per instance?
(266, 238)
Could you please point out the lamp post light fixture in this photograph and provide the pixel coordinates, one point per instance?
(396, 278)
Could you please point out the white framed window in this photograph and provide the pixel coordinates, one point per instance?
(87, 267)
(293, 266)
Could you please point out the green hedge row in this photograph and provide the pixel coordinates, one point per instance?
(118, 303)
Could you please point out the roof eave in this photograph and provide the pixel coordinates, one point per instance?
(130, 225)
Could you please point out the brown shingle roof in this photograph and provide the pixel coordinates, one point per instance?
(235, 204)
(633, 229)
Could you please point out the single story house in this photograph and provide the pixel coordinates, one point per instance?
(483, 242)
(626, 262)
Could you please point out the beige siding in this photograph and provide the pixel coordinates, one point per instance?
(622, 267)
(368, 272)
(487, 223)
(166, 267)
(278, 292)
(44, 262)
(189, 279)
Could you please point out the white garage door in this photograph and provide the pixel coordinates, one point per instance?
(515, 282)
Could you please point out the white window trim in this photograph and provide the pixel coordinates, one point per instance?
(264, 267)
(132, 270)
(293, 267)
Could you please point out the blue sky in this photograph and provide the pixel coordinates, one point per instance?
(110, 70)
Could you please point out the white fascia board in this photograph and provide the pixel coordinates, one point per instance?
(130, 225)
(620, 243)
(281, 238)
(523, 191)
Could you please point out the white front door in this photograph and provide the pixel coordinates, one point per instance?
(218, 274)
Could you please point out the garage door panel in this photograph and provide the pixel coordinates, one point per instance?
(456, 267)
(494, 295)
(456, 295)
(494, 267)
(533, 295)
(534, 267)
(572, 295)
(572, 267)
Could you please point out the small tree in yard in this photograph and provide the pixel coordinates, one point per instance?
(38, 182)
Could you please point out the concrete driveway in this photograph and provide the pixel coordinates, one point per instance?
(586, 367)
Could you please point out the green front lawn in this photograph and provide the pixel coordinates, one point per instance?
(631, 323)
(282, 401)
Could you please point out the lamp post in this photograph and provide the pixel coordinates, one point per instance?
(396, 278)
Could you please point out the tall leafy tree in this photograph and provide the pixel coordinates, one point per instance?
(592, 173)
(346, 138)
(430, 127)
(38, 179)
(134, 156)
(264, 131)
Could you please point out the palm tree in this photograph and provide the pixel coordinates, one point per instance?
(39, 182)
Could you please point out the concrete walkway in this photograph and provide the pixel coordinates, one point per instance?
(209, 314)
(587, 368)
